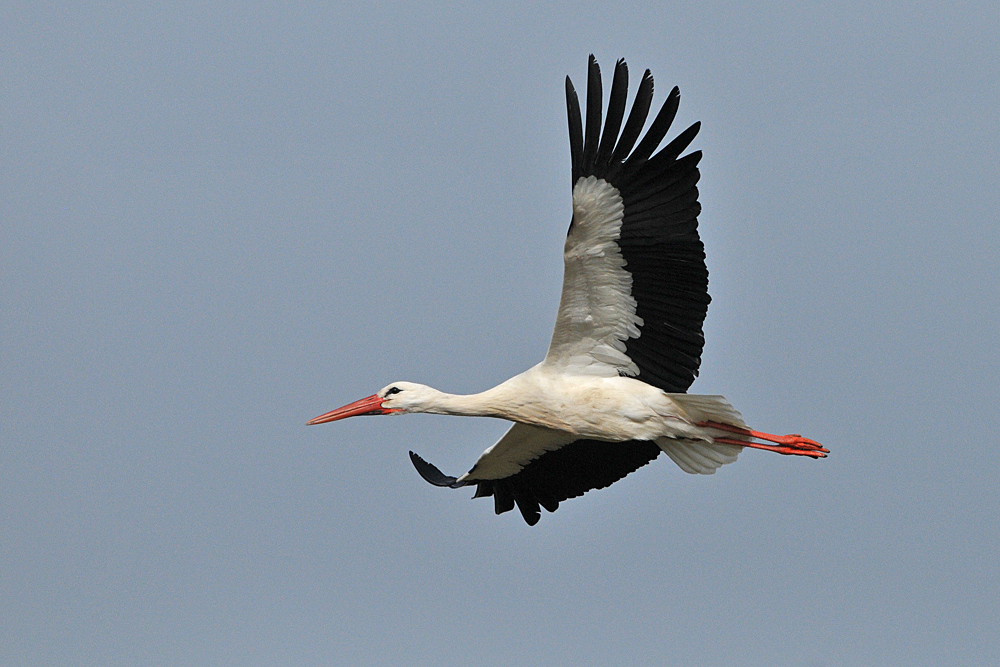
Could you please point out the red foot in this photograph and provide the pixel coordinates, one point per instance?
(790, 444)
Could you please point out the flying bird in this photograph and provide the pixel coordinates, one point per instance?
(610, 394)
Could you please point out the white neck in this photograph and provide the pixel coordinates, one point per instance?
(490, 403)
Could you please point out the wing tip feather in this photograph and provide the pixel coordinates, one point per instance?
(432, 474)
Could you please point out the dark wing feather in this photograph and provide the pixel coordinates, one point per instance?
(659, 232)
(592, 137)
(568, 472)
(657, 130)
(554, 476)
(633, 126)
(432, 474)
(616, 112)
(575, 130)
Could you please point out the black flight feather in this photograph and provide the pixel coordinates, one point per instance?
(593, 134)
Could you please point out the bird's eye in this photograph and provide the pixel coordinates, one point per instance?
(392, 390)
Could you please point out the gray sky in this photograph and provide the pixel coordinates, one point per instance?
(221, 221)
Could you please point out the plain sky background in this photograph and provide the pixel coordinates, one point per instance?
(222, 219)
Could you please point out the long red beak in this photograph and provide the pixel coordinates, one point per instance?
(371, 405)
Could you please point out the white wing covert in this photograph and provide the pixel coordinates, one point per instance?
(597, 309)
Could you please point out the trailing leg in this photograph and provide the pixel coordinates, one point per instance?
(785, 444)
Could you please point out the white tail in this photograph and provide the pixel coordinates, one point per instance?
(702, 408)
(700, 457)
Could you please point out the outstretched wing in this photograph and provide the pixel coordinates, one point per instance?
(534, 467)
(635, 287)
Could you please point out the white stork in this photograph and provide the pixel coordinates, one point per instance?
(610, 394)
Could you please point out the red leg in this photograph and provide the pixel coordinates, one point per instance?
(793, 441)
(816, 454)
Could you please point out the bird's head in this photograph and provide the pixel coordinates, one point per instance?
(398, 397)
